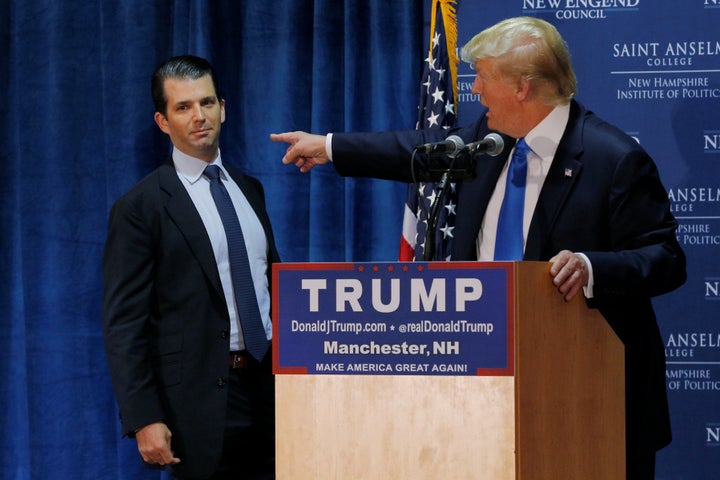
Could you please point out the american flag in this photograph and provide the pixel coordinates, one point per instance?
(436, 109)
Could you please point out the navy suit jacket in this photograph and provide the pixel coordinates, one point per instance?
(602, 197)
(165, 320)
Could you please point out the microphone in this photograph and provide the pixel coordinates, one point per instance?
(451, 146)
(491, 145)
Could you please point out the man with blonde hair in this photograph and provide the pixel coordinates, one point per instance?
(591, 202)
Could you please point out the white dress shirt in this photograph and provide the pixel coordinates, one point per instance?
(190, 171)
(543, 141)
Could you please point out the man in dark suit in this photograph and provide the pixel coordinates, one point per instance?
(594, 205)
(175, 339)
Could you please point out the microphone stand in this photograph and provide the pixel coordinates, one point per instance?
(449, 174)
(433, 216)
(491, 145)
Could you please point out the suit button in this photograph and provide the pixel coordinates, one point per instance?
(224, 334)
(221, 382)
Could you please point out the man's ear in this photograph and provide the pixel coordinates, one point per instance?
(162, 122)
(523, 89)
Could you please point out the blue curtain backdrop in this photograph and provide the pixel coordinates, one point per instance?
(77, 131)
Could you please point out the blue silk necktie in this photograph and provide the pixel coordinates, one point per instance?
(256, 342)
(509, 239)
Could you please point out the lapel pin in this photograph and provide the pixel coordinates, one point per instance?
(568, 172)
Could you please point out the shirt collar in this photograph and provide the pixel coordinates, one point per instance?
(545, 137)
(192, 168)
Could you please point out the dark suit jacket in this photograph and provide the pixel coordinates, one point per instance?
(165, 321)
(603, 197)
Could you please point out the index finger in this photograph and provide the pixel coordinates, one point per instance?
(288, 137)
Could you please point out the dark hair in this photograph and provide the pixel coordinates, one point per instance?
(188, 67)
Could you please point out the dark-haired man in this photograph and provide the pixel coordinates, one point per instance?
(191, 390)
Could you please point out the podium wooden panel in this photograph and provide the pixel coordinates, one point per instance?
(561, 416)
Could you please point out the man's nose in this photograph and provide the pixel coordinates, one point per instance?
(198, 113)
(477, 86)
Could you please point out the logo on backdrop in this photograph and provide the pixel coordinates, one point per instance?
(696, 209)
(712, 434)
(696, 199)
(712, 288)
(666, 70)
(465, 94)
(692, 344)
(692, 359)
(711, 139)
(579, 9)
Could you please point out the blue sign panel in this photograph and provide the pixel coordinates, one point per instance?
(399, 318)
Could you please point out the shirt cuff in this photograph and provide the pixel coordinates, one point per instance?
(328, 145)
(588, 289)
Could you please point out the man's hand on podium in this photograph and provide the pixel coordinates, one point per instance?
(570, 273)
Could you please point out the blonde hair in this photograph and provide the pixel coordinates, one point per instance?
(530, 48)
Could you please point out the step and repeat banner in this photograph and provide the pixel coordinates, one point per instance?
(652, 67)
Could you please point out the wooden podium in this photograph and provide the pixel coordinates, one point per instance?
(561, 416)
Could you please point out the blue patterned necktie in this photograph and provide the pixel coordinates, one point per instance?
(509, 239)
(256, 342)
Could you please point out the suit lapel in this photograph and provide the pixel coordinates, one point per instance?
(560, 179)
(183, 213)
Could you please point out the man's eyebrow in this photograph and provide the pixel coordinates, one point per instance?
(180, 103)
